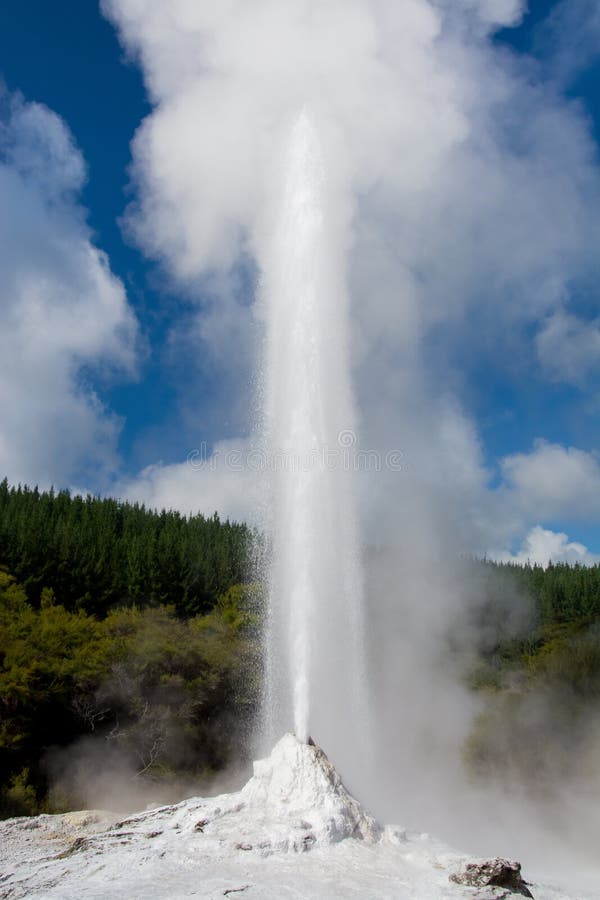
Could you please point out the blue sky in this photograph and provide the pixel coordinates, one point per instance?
(171, 362)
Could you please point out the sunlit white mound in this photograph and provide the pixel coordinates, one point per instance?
(297, 786)
(252, 843)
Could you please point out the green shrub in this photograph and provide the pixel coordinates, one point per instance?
(18, 797)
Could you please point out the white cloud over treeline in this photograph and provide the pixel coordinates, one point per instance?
(541, 546)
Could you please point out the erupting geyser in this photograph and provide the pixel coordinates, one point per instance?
(315, 665)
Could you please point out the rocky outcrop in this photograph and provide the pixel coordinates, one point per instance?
(493, 873)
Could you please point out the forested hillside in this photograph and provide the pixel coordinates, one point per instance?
(562, 593)
(98, 554)
(540, 686)
(126, 635)
(138, 697)
(560, 607)
(136, 635)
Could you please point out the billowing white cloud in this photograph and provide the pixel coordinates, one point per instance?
(569, 347)
(62, 311)
(541, 546)
(477, 184)
(224, 480)
(227, 79)
(466, 194)
(38, 146)
(554, 482)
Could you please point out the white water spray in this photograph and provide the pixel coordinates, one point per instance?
(316, 673)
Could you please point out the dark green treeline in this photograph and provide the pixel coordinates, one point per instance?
(100, 554)
(562, 593)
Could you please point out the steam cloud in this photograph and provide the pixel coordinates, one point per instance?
(468, 187)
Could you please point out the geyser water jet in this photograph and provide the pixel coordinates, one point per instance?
(315, 661)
